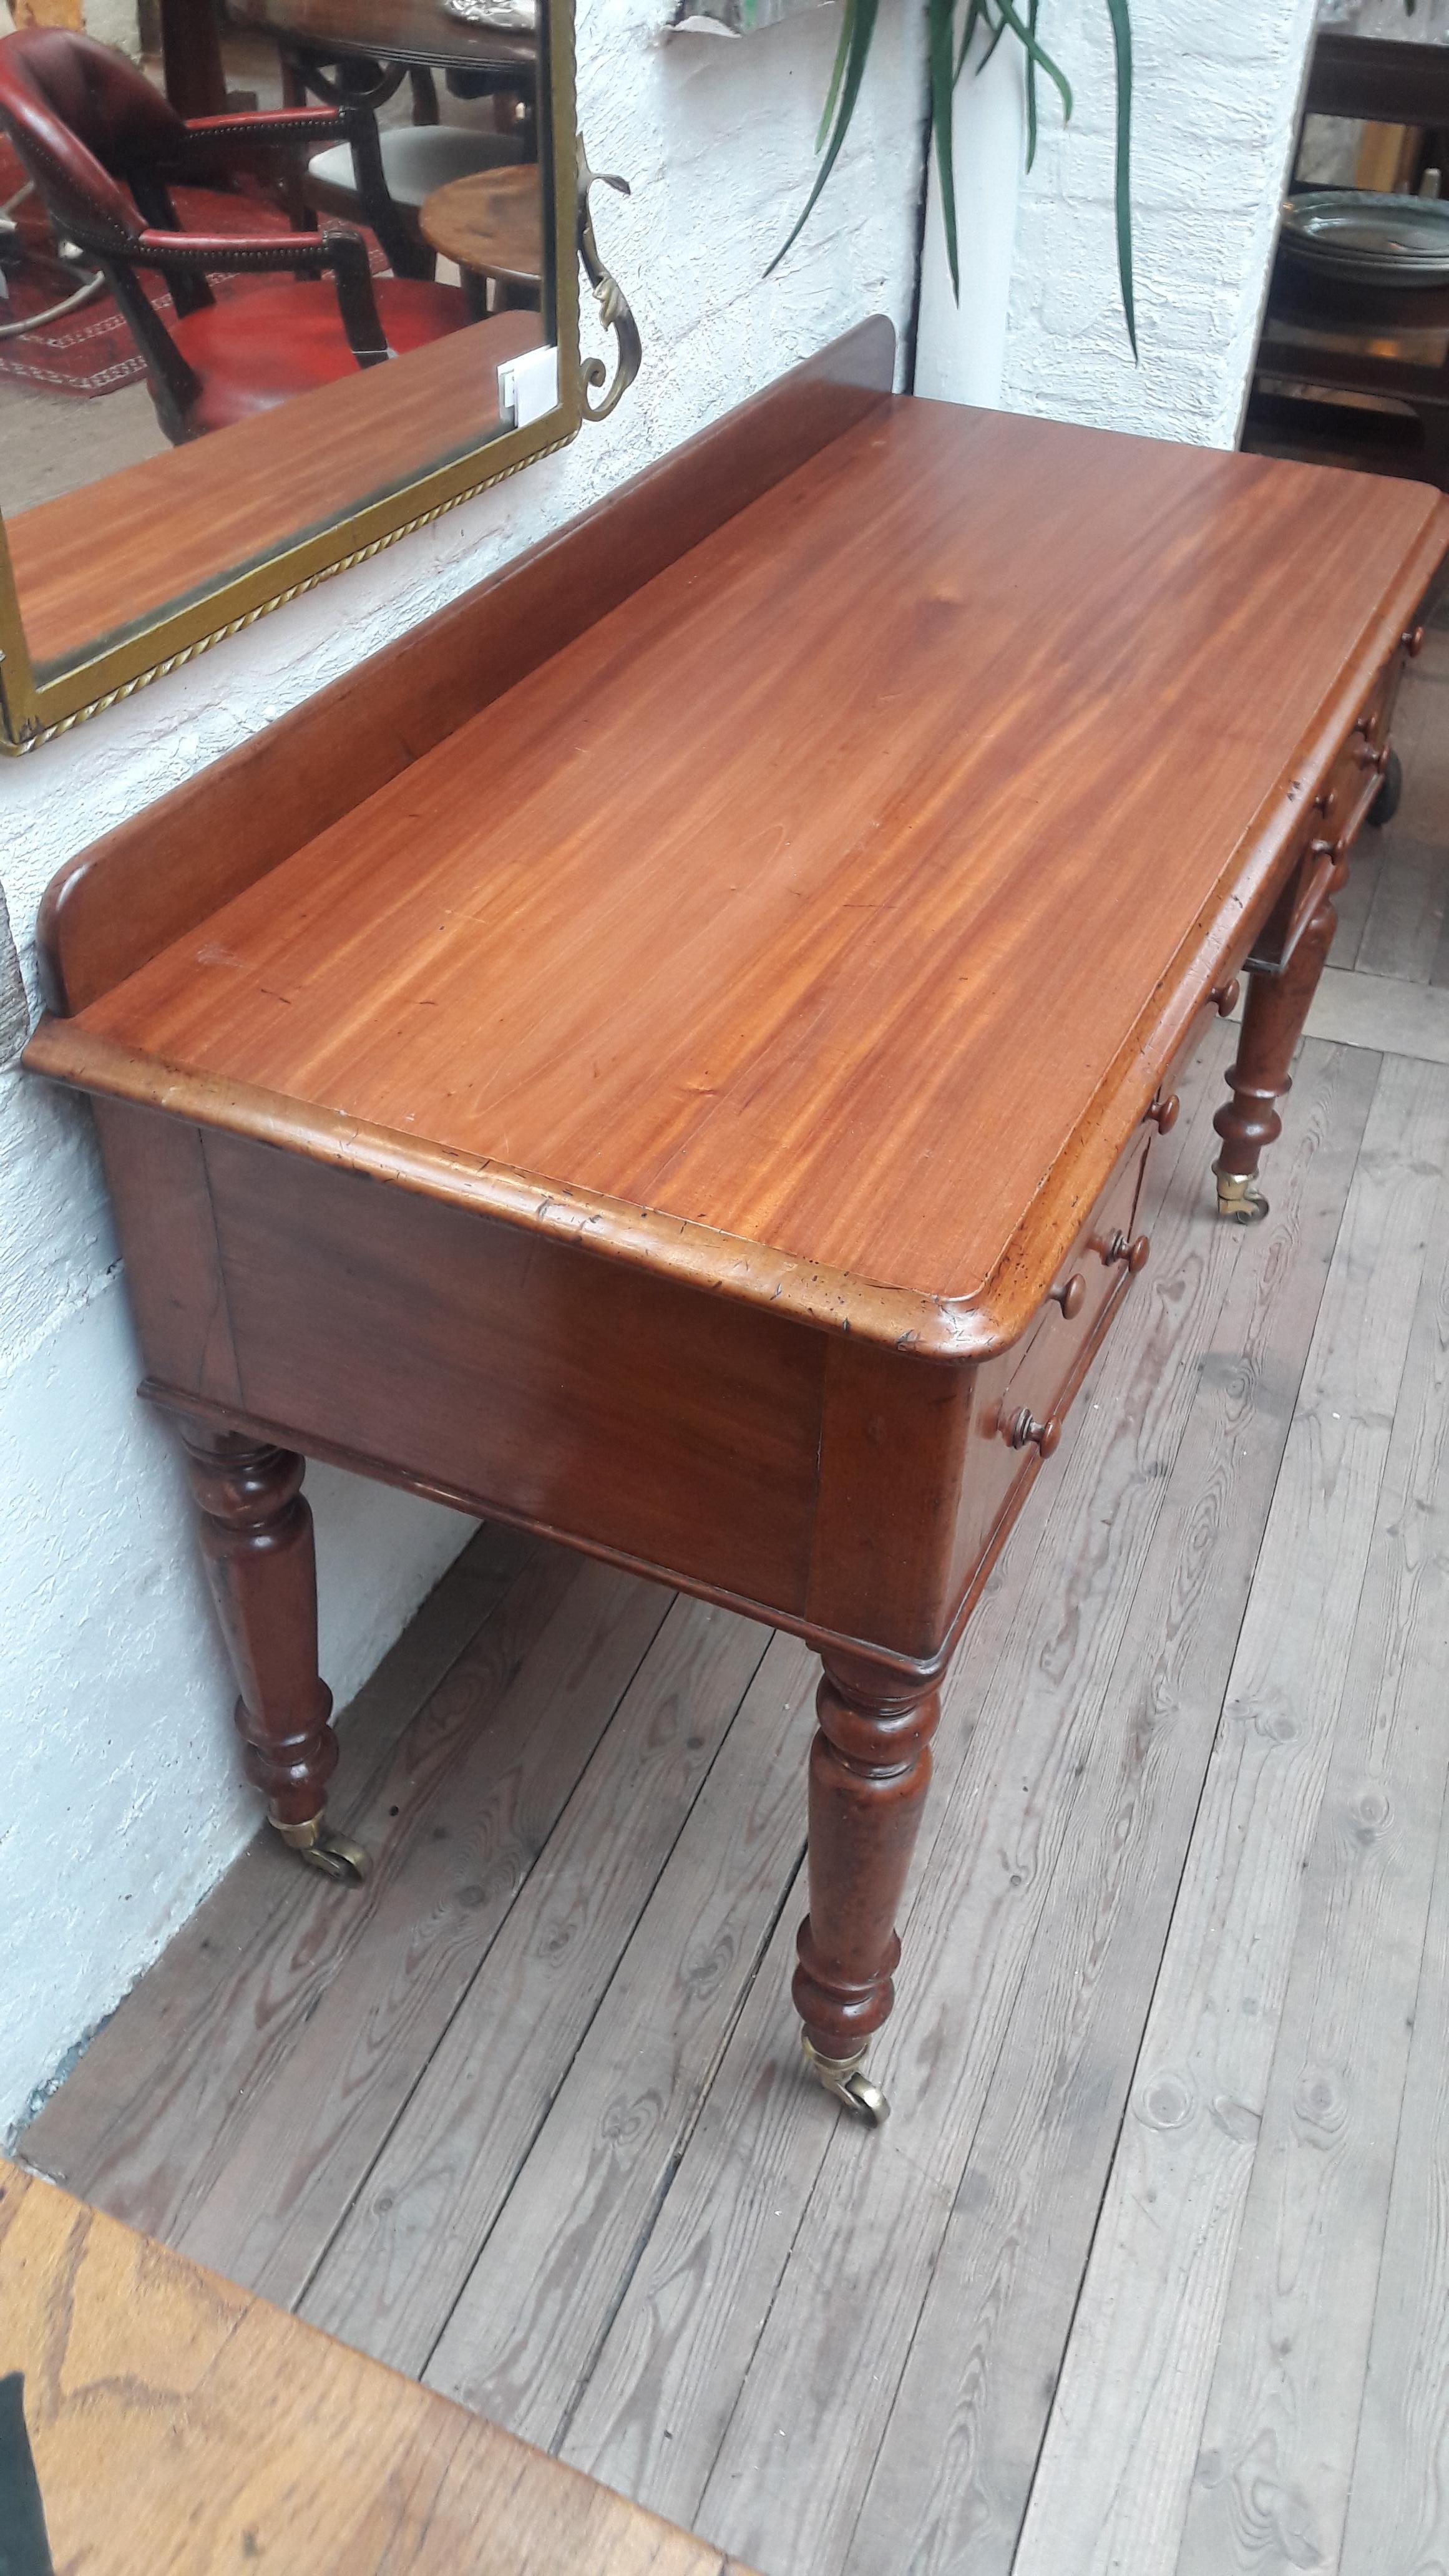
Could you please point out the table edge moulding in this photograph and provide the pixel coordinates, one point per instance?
(667, 1053)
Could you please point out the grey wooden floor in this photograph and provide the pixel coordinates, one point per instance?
(1150, 2269)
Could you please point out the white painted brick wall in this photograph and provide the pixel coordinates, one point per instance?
(121, 1804)
(1216, 105)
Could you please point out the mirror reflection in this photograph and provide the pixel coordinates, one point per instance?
(311, 229)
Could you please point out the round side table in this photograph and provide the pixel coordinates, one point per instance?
(491, 224)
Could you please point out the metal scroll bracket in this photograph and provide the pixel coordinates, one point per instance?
(613, 304)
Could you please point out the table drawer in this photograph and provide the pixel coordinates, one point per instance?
(1219, 1003)
(1051, 1360)
(1022, 1396)
(1333, 823)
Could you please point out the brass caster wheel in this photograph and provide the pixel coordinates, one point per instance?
(842, 2076)
(332, 1853)
(1239, 1199)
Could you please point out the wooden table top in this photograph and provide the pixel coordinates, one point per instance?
(395, 31)
(182, 2427)
(490, 221)
(824, 892)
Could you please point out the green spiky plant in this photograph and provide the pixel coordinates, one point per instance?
(946, 52)
(947, 49)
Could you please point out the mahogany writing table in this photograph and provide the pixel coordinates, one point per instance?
(668, 1055)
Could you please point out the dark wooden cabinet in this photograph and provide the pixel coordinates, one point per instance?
(1348, 371)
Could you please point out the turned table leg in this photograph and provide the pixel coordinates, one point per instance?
(1273, 1018)
(256, 1539)
(870, 1768)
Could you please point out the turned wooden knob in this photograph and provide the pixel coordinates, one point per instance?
(1224, 997)
(1071, 1296)
(1024, 1433)
(1414, 642)
(1134, 1253)
(1372, 754)
(1326, 803)
(1163, 1113)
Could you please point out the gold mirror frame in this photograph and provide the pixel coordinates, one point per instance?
(39, 702)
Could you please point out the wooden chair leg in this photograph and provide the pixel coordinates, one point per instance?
(256, 1540)
(1273, 1018)
(870, 1768)
(425, 94)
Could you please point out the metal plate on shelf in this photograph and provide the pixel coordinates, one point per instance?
(1375, 239)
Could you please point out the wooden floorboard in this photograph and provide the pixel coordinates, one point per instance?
(1374, 1012)
(1148, 2273)
(1398, 2514)
(668, 2372)
(1118, 2462)
(1405, 917)
(394, 2276)
(438, 1902)
(305, 2036)
(955, 2469)
(1277, 2445)
(856, 2270)
(523, 2338)
(106, 2134)
(1033, 1702)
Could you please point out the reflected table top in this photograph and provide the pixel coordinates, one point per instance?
(399, 31)
(490, 222)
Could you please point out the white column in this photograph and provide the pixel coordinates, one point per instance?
(961, 348)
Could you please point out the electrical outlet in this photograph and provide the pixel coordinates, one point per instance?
(528, 387)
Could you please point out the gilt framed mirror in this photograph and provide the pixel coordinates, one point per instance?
(283, 280)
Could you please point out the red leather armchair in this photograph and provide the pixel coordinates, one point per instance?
(104, 148)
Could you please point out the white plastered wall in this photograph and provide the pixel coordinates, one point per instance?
(1216, 105)
(121, 1804)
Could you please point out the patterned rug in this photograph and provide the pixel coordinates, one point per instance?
(91, 351)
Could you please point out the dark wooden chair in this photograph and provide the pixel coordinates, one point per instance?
(416, 159)
(104, 149)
